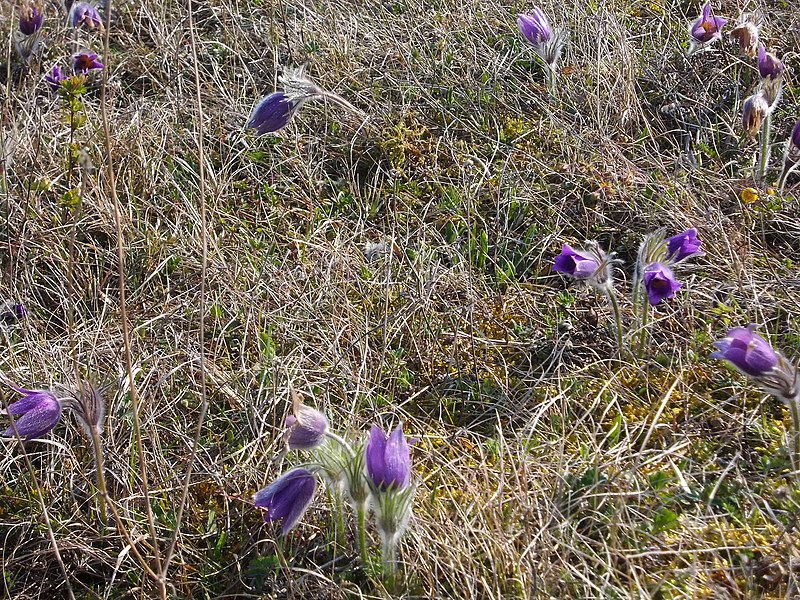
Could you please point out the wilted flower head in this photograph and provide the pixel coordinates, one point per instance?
(683, 245)
(388, 459)
(39, 410)
(706, 28)
(85, 61)
(31, 18)
(745, 35)
(287, 497)
(535, 27)
(752, 355)
(305, 427)
(54, 78)
(659, 282)
(755, 109)
(84, 14)
(89, 408)
(272, 113)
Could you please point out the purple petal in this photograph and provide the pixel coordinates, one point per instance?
(287, 498)
(397, 460)
(375, 455)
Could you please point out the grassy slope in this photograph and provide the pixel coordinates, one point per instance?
(547, 470)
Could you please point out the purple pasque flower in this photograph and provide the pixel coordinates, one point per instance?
(54, 78)
(706, 28)
(535, 27)
(388, 459)
(747, 351)
(305, 427)
(31, 18)
(769, 66)
(683, 245)
(754, 111)
(39, 410)
(85, 61)
(659, 282)
(272, 113)
(287, 498)
(83, 13)
(578, 264)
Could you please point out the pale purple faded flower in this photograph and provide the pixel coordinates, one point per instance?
(745, 35)
(38, 412)
(706, 28)
(31, 17)
(272, 113)
(388, 459)
(54, 78)
(747, 351)
(575, 263)
(769, 66)
(755, 110)
(305, 427)
(659, 282)
(535, 27)
(287, 498)
(85, 61)
(683, 245)
(84, 14)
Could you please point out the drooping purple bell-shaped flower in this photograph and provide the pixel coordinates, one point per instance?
(659, 282)
(287, 498)
(305, 428)
(575, 263)
(388, 459)
(769, 66)
(683, 245)
(39, 412)
(83, 14)
(747, 351)
(31, 18)
(272, 113)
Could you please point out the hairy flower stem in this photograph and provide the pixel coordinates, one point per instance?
(642, 343)
(551, 80)
(614, 303)
(763, 157)
(100, 477)
(787, 170)
(361, 524)
(340, 504)
(794, 408)
(389, 562)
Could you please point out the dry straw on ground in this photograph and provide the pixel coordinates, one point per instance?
(398, 268)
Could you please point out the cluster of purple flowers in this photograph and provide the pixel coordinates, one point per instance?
(656, 259)
(378, 474)
(82, 16)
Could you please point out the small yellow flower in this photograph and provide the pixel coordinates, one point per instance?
(749, 195)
